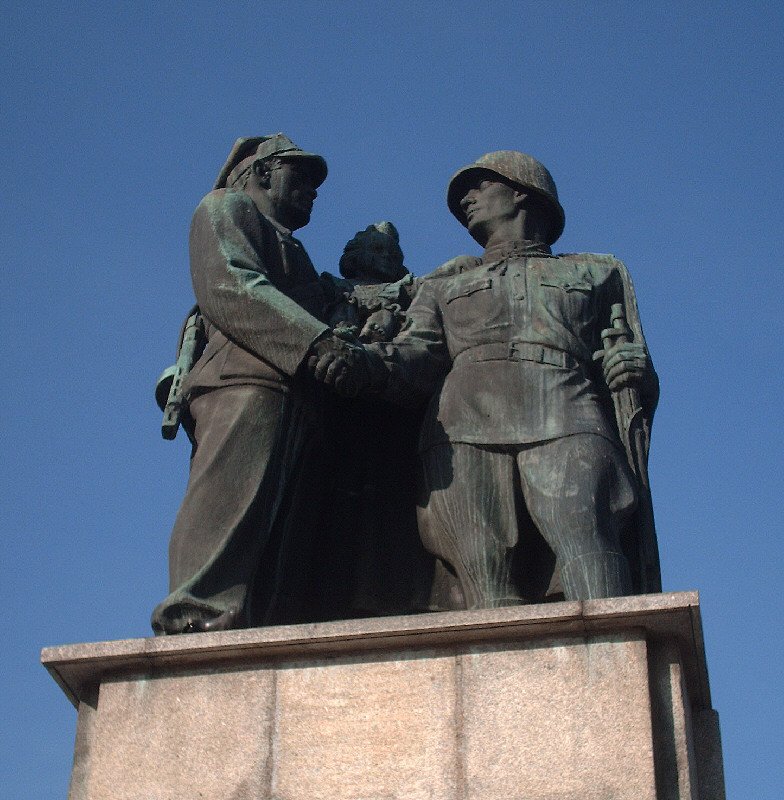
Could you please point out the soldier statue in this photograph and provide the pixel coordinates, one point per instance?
(260, 306)
(534, 444)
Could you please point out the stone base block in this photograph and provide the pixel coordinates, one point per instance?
(595, 700)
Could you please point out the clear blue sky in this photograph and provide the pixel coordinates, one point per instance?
(662, 126)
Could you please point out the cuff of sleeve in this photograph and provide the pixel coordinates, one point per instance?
(316, 336)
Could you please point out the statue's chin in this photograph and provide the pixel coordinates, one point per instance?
(478, 230)
(295, 218)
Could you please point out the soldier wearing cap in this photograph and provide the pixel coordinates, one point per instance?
(261, 301)
(523, 463)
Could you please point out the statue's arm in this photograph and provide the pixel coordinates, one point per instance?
(621, 290)
(650, 385)
(230, 280)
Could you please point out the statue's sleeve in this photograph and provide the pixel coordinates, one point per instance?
(643, 549)
(417, 359)
(651, 400)
(230, 249)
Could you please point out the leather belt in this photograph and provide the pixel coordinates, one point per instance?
(518, 351)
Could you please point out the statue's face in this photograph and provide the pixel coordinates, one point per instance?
(383, 257)
(291, 194)
(486, 203)
(373, 256)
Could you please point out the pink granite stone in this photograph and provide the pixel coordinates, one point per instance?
(356, 729)
(601, 700)
(566, 719)
(186, 736)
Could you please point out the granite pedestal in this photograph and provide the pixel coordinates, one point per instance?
(594, 700)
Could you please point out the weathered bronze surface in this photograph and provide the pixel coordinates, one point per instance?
(261, 299)
(533, 486)
(371, 561)
(523, 376)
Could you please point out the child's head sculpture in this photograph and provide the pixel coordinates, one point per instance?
(374, 255)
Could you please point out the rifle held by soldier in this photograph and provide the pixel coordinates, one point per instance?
(634, 430)
(169, 386)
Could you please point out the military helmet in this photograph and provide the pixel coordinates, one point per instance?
(519, 168)
(247, 150)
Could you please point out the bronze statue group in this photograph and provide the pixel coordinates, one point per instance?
(383, 444)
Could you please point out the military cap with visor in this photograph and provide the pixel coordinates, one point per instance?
(522, 171)
(248, 150)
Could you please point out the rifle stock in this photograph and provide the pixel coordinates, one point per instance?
(189, 352)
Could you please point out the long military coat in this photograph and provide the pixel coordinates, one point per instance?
(259, 295)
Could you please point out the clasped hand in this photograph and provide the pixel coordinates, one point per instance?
(340, 365)
(625, 364)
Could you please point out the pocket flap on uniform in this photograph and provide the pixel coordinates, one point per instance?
(556, 283)
(467, 289)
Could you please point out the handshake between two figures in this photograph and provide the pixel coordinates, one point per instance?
(350, 369)
(344, 366)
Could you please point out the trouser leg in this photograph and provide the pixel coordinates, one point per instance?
(467, 518)
(246, 439)
(580, 494)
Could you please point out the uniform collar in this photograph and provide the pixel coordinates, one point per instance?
(518, 248)
(284, 234)
(283, 231)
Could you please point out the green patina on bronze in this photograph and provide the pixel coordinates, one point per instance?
(523, 375)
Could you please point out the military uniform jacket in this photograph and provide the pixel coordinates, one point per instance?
(258, 292)
(506, 343)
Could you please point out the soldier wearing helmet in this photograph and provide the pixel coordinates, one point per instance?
(518, 170)
(524, 466)
(262, 302)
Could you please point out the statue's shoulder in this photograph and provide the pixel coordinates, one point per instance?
(401, 291)
(453, 267)
(227, 201)
(224, 210)
(596, 258)
(598, 263)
